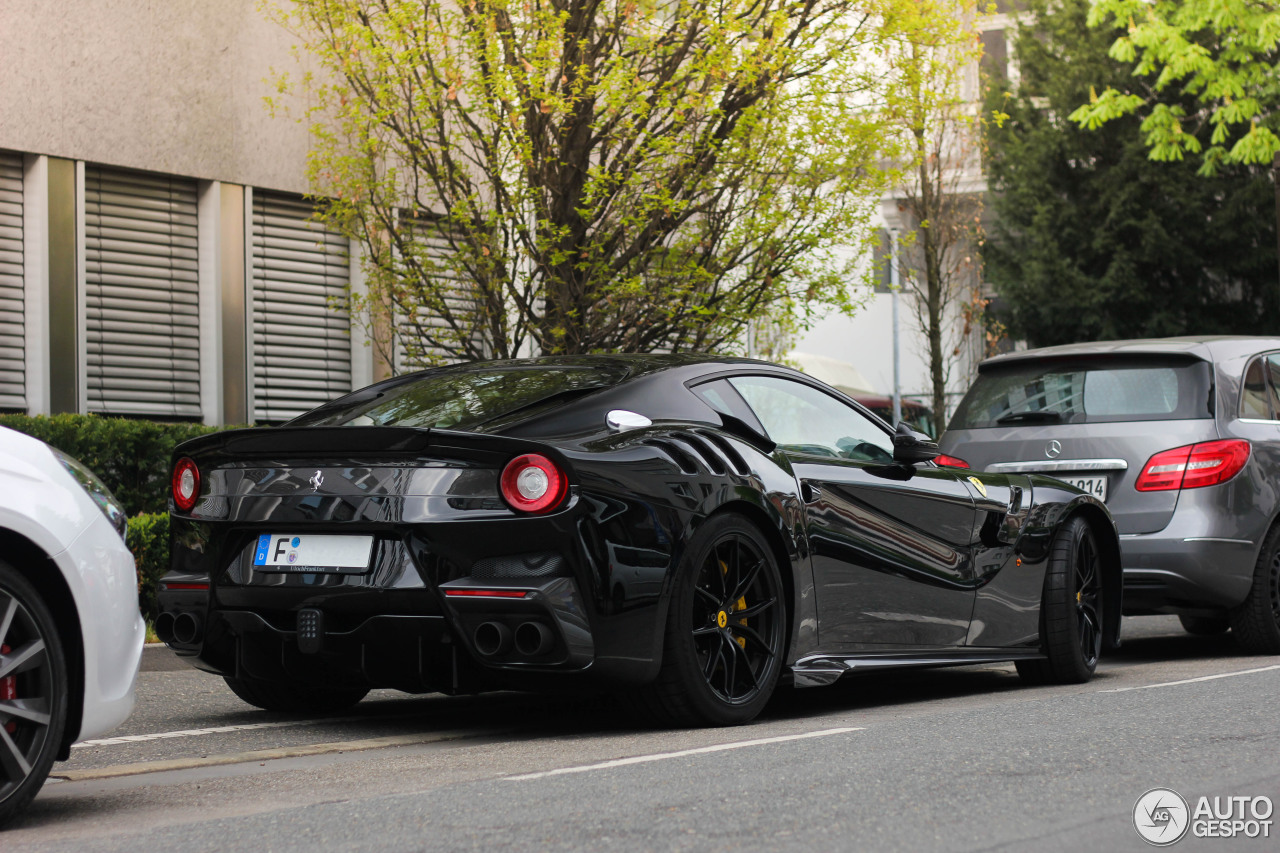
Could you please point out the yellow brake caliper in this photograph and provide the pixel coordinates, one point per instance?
(740, 604)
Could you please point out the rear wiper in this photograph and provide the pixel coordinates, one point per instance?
(1044, 416)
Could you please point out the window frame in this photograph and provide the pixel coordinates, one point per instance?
(800, 379)
(1273, 393)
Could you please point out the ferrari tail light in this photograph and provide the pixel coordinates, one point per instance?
(1193, 466)
(186, 484)
(533, 483)
(950, 461)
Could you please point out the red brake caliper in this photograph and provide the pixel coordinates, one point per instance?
(9, 690)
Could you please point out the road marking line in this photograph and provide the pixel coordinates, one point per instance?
(662, 756)
(263, 755)
(213, 730)
(1192, 680)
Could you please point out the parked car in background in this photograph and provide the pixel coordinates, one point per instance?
(70, 631)
(848, 380)
(917, 414)
(690, 529)
(1180, 437)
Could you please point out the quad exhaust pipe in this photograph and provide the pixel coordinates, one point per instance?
(179, 629)
(492, 638)
(530, 639)
(187, 628)
(533, 639)
(164, 627)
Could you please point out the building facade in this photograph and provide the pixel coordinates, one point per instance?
(158, 256)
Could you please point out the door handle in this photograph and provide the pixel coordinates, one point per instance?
(810, 493)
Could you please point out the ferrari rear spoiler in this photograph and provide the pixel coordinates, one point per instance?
(361, 442)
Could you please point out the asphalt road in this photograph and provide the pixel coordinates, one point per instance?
(956, 759)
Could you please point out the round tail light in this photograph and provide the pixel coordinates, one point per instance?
(186, 484)
(533, 483)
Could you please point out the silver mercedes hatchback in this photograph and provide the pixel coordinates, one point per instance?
(1180, 437)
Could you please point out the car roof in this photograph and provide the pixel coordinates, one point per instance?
(1206, 347)
(636, 363)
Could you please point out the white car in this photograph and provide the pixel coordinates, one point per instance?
(70, 632)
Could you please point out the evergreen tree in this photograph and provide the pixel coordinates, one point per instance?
(1091, 239)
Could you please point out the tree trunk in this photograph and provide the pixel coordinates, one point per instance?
(933, 288)
(1275, 174)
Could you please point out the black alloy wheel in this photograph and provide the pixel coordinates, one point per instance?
(33, 692)
(1256, 622)
(1071, 610)
(726, 629)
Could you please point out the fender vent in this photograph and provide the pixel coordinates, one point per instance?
(704, 451)
(682, 460)
(736, 462)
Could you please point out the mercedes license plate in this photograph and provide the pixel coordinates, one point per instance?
(1096, 486)
(311, 552)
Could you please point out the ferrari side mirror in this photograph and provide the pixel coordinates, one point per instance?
(910, 447)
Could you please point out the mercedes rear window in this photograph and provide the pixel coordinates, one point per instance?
(1092, 391)
(470, 399)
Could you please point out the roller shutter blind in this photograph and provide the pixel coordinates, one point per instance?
(301, 332)
(142, 322)
(460, 299)
(13, 375)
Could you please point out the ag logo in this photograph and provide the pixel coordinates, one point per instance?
(1161, 816)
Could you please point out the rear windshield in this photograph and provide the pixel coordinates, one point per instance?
(1104, 390)
(466, 399)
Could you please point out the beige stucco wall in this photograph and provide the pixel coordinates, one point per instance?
(172, 86)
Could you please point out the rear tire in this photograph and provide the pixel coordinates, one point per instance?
(33, 670)
(726, 630)
(294, 698)
(1205, 626)
(1256, 622)
(1071, 616)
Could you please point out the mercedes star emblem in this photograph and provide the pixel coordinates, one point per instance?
(1053, 450)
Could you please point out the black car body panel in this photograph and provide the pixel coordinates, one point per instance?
(880, 561)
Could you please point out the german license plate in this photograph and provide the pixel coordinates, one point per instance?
(312, 552)
(1096, 486)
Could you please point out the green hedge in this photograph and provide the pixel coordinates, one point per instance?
(149, 541)
(131, 456)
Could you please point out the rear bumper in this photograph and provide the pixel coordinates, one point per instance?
(1180, 572)
(412, 640)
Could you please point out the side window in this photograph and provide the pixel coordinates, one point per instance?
(1273, 384)
(1255, 396)
(802, 419)
(721, 396)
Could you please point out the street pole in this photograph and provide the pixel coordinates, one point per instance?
(894, 287)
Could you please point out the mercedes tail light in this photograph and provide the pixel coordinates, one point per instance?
(1193, 466)
(950, 461)
(533, 483)
(186, 484)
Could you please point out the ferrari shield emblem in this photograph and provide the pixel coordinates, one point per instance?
(977, 484)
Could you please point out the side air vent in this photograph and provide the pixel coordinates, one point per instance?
(731, 453)
(682, 459)
(705, 451)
